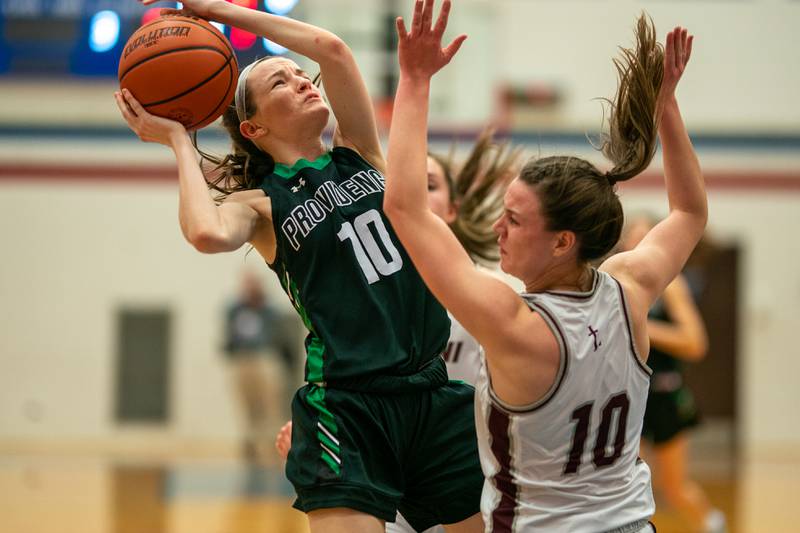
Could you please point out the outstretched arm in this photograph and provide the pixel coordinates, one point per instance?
(660, 256)
(344, 85)
(437, 254)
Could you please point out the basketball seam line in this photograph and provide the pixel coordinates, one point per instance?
(190, 89)
(166, 52)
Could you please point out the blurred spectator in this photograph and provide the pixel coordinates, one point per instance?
(259, 345)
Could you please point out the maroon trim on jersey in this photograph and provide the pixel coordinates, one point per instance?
(502, 520)
(644, 367)
(579, 295)
(564, 354)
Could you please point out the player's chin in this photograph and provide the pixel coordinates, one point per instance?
(318, 105)
(318, 112)
(505, 265)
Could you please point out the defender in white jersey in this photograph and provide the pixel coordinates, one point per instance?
(564, 385)
(577, 446)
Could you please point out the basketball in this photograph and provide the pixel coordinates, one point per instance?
(181, 68)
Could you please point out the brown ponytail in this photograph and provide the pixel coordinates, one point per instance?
(630, 143)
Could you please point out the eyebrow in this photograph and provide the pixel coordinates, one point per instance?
(274, 75)
(280, 72)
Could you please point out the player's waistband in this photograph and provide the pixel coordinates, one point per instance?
(640, 526)
(431, 375)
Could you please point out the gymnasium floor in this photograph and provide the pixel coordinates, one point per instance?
(44, 493)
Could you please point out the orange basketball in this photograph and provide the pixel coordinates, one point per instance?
(180, 68)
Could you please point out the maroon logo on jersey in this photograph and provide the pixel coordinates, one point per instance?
(593, 333)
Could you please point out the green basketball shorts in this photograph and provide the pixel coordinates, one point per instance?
(413, 449)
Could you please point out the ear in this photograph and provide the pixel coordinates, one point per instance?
(565, 243)
(250, 130)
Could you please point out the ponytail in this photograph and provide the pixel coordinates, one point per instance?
(630, 143)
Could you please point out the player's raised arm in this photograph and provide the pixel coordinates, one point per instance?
(344, 84)
(437, 254)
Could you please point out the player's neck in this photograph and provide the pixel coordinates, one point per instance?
(289, 152)
(564, 277)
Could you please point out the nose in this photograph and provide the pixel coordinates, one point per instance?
(304, 84)
(498, 226)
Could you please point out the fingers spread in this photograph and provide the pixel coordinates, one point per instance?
(416, 22)
(427, 15)
(401, 28)
(444, 15)
(453, 48)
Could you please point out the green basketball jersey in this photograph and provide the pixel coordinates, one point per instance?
(367, 310)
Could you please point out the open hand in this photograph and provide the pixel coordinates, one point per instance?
(677, 52)
(421, 53)
(146, 126)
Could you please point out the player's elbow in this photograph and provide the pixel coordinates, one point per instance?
(396, 210)
(696, 350)
(334, 49)
(702, 214)
(208, 241)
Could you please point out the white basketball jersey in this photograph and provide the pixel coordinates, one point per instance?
(463, 354)
(570, 463)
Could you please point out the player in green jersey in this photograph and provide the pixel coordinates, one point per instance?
(378, 427)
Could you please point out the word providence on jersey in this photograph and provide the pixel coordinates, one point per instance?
(305, 217)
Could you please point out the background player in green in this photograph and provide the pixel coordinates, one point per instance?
(379, 427)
